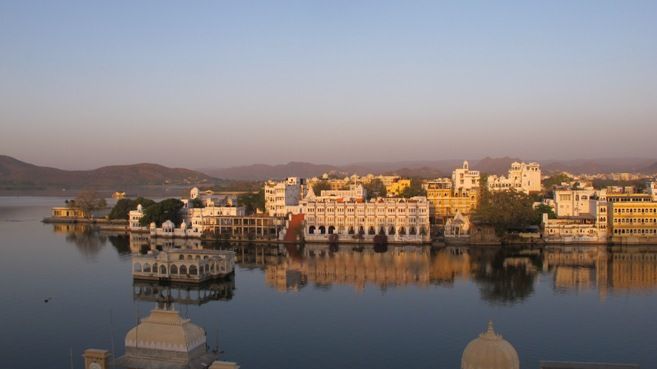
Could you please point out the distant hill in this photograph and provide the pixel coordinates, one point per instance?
(650, 169)
(430, 169)
(18, 174)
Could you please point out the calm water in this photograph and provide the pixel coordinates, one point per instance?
(323, 307)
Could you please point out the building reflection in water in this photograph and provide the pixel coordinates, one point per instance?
(503, 275)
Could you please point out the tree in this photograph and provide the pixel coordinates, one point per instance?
(124, 206)
(555, 180)
(540, 210)
(505, 210)
(89, 201)
(196, 203)
(375, 188)
(252, 201)
(320, 186)
(415, 189)
(162, 211)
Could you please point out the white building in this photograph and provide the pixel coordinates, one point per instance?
(169, 230)
(584, 228)
(399, 219)
(574, 202)
(355, 191)
(283, 197)
(464, 178)
(522, 177)
(134, 216)
(651, 188)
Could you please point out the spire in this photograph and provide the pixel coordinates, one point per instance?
(490, 332)
(310, 195)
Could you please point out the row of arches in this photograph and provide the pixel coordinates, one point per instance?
(388, 231)
(178, 269)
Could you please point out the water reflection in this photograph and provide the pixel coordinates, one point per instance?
(90, 239)
(184, 293)
(503, 275)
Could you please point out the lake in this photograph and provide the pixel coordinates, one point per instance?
(321, 306)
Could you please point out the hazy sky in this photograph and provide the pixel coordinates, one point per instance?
(222, 83)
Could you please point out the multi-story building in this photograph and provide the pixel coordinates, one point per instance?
(464, 178)
(523, 177)
(355, 191)
(573, 202)
(256, 227)
(445, 201)
(651, 188)
(633, 221)
(397, 186)
(399, 219)
(283, 197)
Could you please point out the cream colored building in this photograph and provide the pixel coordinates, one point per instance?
(399, 219)
(355, 191)
(574, 202)
(522, 177)
(465, 179)
(183, 265)
(445, 201)
(283, 197)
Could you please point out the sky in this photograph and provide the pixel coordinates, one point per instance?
(203, 84)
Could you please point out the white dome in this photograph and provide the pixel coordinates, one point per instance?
(165, 330)
(490, 351)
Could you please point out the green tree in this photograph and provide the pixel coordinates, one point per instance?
(162, 211)
(124, 206)
(320, 186)
(375, 188)
(540, 210)
(252, 201)
(555, 180)
(415, 189)
(89, 201)
(196, 203)
(505, 210)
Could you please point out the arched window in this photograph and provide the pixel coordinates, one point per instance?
(137, 267)
(183, 269)
(163, 269)
(311, 230)
(193, 270)
(147, 268)
(331, 229)
(351, 230)
(322, 230)
(174, 269)
(391, 230)
(371, 231)
(402, 231)
(382, 231)
(413, 231)
(181, 257)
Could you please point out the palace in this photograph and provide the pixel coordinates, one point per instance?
(283, 197)
(399, 219)
(183, 265)
(523, 177)
(464, 178)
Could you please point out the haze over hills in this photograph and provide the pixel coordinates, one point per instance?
(430, 169)
(19, 175)
(16, 174)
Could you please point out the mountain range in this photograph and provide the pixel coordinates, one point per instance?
(16, 174)
(432, 169)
